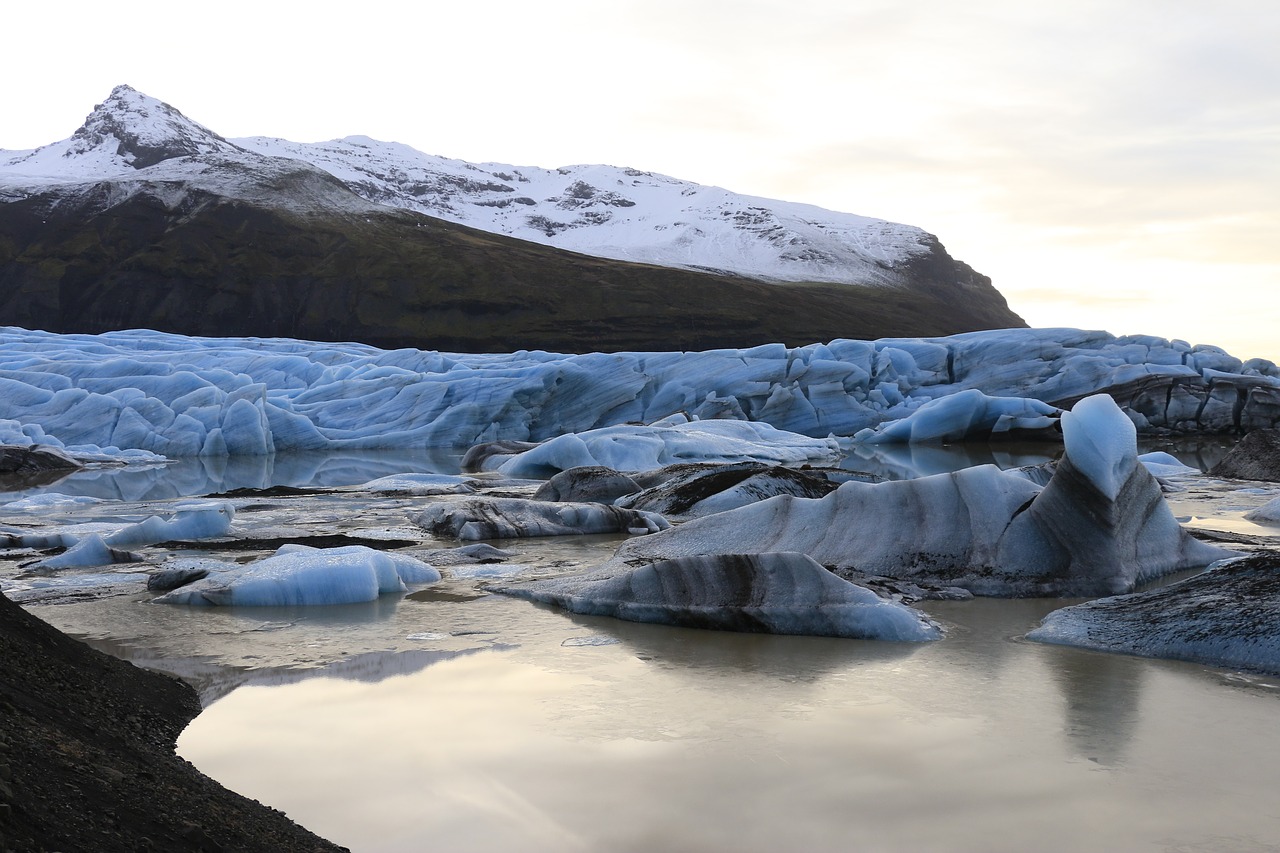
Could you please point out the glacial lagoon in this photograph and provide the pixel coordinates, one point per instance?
(455, 720)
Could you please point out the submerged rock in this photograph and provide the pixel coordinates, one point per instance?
(33, 459)
(501, 518)
(776, 593)
(1228, 616)
(1255, 457)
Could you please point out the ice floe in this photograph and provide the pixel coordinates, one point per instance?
(296, 574)
(773, 593)
(1228, 616)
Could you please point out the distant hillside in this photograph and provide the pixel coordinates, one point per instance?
(146, 219)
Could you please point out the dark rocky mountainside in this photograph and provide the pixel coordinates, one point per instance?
(153, 221)
(223, 266)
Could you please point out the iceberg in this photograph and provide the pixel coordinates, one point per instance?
(1227, 616)
(775, 593)
(965, 416)
(1099, 527)
(629, 447)
(299, 575)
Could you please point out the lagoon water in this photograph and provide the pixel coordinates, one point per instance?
(454, 720)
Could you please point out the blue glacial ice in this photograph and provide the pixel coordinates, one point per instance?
(299, 575)
(133, 395)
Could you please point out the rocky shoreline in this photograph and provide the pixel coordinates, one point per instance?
(87, 757)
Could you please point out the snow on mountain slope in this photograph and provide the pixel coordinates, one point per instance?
(137, 142)
(128, 132)
(621, 213)
(133, 143)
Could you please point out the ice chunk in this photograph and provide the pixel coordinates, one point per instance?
(1268, 513)
(1227, 616)
(642, 448)
(190, 521)
(497, 518)
(965, 415)
(297, 574)
(772, 593)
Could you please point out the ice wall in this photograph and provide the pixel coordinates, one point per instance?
(179, 396)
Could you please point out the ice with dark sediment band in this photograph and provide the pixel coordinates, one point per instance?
(773, 593)
(1099, 527)
(1228, 616)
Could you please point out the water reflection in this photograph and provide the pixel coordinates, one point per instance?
(202, 476)
(714, 654)
(1102, 701)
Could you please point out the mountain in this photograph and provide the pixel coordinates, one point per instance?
(144, 218)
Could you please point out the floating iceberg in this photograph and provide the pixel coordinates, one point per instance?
(146, 395)
(1228, 616)
(1099, 527)
(101, 543)
(296, 574)
(776, 593)
(642, 448)
(966, 415)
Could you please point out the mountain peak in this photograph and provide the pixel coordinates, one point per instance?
(143, 131)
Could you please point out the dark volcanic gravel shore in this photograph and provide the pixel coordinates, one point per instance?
(87, 758)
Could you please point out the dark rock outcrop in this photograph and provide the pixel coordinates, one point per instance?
(87, 760)
(1255, 457)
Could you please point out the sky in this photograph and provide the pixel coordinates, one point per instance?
(1110, 165)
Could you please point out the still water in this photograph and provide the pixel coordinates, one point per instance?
(557, 733)
(454, 720)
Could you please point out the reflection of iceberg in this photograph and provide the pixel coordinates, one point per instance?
(778, 657)
(1103, 703)
(213, 475)
(213, 681)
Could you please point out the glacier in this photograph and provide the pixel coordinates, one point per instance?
(141, 396)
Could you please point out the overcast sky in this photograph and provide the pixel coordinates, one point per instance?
(1110, 165)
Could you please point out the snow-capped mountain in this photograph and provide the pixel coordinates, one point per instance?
(621, 213)
(605, 211)
(145, 218)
